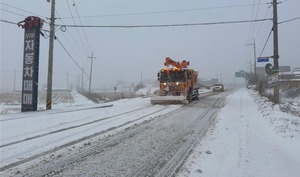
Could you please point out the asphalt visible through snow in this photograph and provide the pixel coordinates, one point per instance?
(153, 147)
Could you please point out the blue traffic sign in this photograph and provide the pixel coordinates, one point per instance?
(265, 59)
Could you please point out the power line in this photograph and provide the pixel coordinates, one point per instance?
(262, 23)
(14, 23)
(9, 22)
(250, 29)
(13, 12)
(297, 18)
(21, 10)
(164, 25)
(76, 28)
(81, 24)
(164, 12)
(266, 43)
(72, 38)
(257, 10)
(71, 56)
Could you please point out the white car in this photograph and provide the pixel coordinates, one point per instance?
(218, 88)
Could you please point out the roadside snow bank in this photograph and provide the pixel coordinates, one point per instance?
(286, 124)
(243, 142)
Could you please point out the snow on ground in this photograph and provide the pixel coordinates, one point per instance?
(60, 101)
(21, 126)
(251, 137)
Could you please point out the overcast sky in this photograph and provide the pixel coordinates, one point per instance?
(122, 54)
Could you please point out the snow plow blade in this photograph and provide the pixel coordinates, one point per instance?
(168, 100)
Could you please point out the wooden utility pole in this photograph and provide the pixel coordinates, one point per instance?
(92, 58)
(82, 71)
(254, 45)
(276, 55)
(14, 80)
(141, 77)
(254, 65)
(50, 59)
(67, 80)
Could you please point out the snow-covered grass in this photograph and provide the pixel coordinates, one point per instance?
(60, 100)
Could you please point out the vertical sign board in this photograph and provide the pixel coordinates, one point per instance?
(30, 66)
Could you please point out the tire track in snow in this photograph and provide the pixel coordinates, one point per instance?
(85, 138)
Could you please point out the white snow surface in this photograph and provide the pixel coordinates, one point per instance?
(21, 126)
(251, 137)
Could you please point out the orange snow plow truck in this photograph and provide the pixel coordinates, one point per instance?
(177, 83)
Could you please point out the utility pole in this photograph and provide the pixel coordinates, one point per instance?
(82, 79)
(92, 58)
(221, 78)
(67, 80)
(141, 77)
(254, 55)
(276, 55)
(50, 59)
(14, 80)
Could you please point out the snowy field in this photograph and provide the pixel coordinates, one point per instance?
(251, 136)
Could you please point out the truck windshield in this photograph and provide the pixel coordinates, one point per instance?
(163, 77)
(177, 76)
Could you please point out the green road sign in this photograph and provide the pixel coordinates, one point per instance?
(241, 73)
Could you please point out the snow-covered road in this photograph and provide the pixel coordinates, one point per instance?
(24, 135)
(32, 138)
(250, 137)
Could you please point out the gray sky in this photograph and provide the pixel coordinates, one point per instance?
(123, 53)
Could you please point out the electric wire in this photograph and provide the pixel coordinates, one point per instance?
(9, 22)
(22, 10)
(77, 28)
(12, 12)
(164, 25)
(262, 23)
(165, 12)
(70, 56)
(83, 30)
(252, 12)
(73, 38)
(254, 25)
(293, 19)
(56, 38)
(265, 43)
